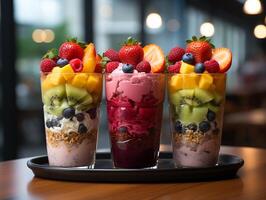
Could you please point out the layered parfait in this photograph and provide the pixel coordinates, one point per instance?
(135, 94)
(196, 91)
(71, 83)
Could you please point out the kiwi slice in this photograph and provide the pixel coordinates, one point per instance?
(54, 96)
(185, 113)
(175, 98)
(58, 109)
(187, 93)
(85, 103)
(203, 96)
(213, 107)
(199, 114)
(75, 94)
(217, 98)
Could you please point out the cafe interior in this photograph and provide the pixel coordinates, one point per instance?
(29, 28)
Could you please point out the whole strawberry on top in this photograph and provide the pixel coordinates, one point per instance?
(199, 56)
(131, 52)
(71, 49)
(201, 48)
(131, 56)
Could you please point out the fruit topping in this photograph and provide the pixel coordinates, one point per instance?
(155, 56)
(80, 117)
(131, 52)
(82, 128)
(188, 58)
(186, 68)
(62, 62)
(98, 67)
(176, 54)
(127, 68)
(89, 59)
(201, 48)
(111, 66)
(144, 66)
(71, 49)
(68, 112)
(211, 115)
(112, 55)
(199, 68)
(212, 66)
(206, 81)
(174, 68)
(47, 65)
(224, 57)
(204, 126)
(76, 65)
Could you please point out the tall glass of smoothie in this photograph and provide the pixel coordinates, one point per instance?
(135, 95)
(196, 93)
(71, 94)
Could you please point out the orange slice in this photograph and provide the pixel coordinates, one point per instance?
(224, 57)
(154, 55)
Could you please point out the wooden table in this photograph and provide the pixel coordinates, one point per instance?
(18, 182)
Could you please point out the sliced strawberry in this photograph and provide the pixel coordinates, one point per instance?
(224, 57)
(154, 55)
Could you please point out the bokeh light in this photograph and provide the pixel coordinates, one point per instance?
(260, 31)
(207, 29)
(154, 21)
(252, 7)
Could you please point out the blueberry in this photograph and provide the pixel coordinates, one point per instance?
(188, 58)
(211, 115)
(127, 68)
(48, 124)
(62, 62)
(92, 112)
(178, 126)
(192, 127)
(82, 128)
(199, 68)
(80, 117)
(122, 129)
(68, 112)
(54, 122)
(204, 126)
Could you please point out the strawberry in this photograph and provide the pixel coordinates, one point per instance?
(144, 66)
(47, 65)
(112, 55)
(71, 49)
(111, 66)
(76, 65)
(174, 68)
(131, 52)
(176, 54)
(212, 66)
(154, 55)
(200, 48)
(224, 57)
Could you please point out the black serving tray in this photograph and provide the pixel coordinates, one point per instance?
(103, 171)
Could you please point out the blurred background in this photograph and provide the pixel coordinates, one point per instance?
(29, 28)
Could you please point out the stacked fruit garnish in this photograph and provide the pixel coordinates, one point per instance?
(200, 56)
(149, 59)
(197, 84)
(71, 79)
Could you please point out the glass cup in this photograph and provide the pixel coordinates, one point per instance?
(71, 112)
(196, 105)
(134, 107)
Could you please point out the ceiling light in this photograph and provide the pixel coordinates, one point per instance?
(154, 21)
(207, 29)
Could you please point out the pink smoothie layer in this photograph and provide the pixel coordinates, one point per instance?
(204, 155)
(78, 155)
(133, 86)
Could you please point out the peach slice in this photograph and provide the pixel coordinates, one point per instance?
(155, 56)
